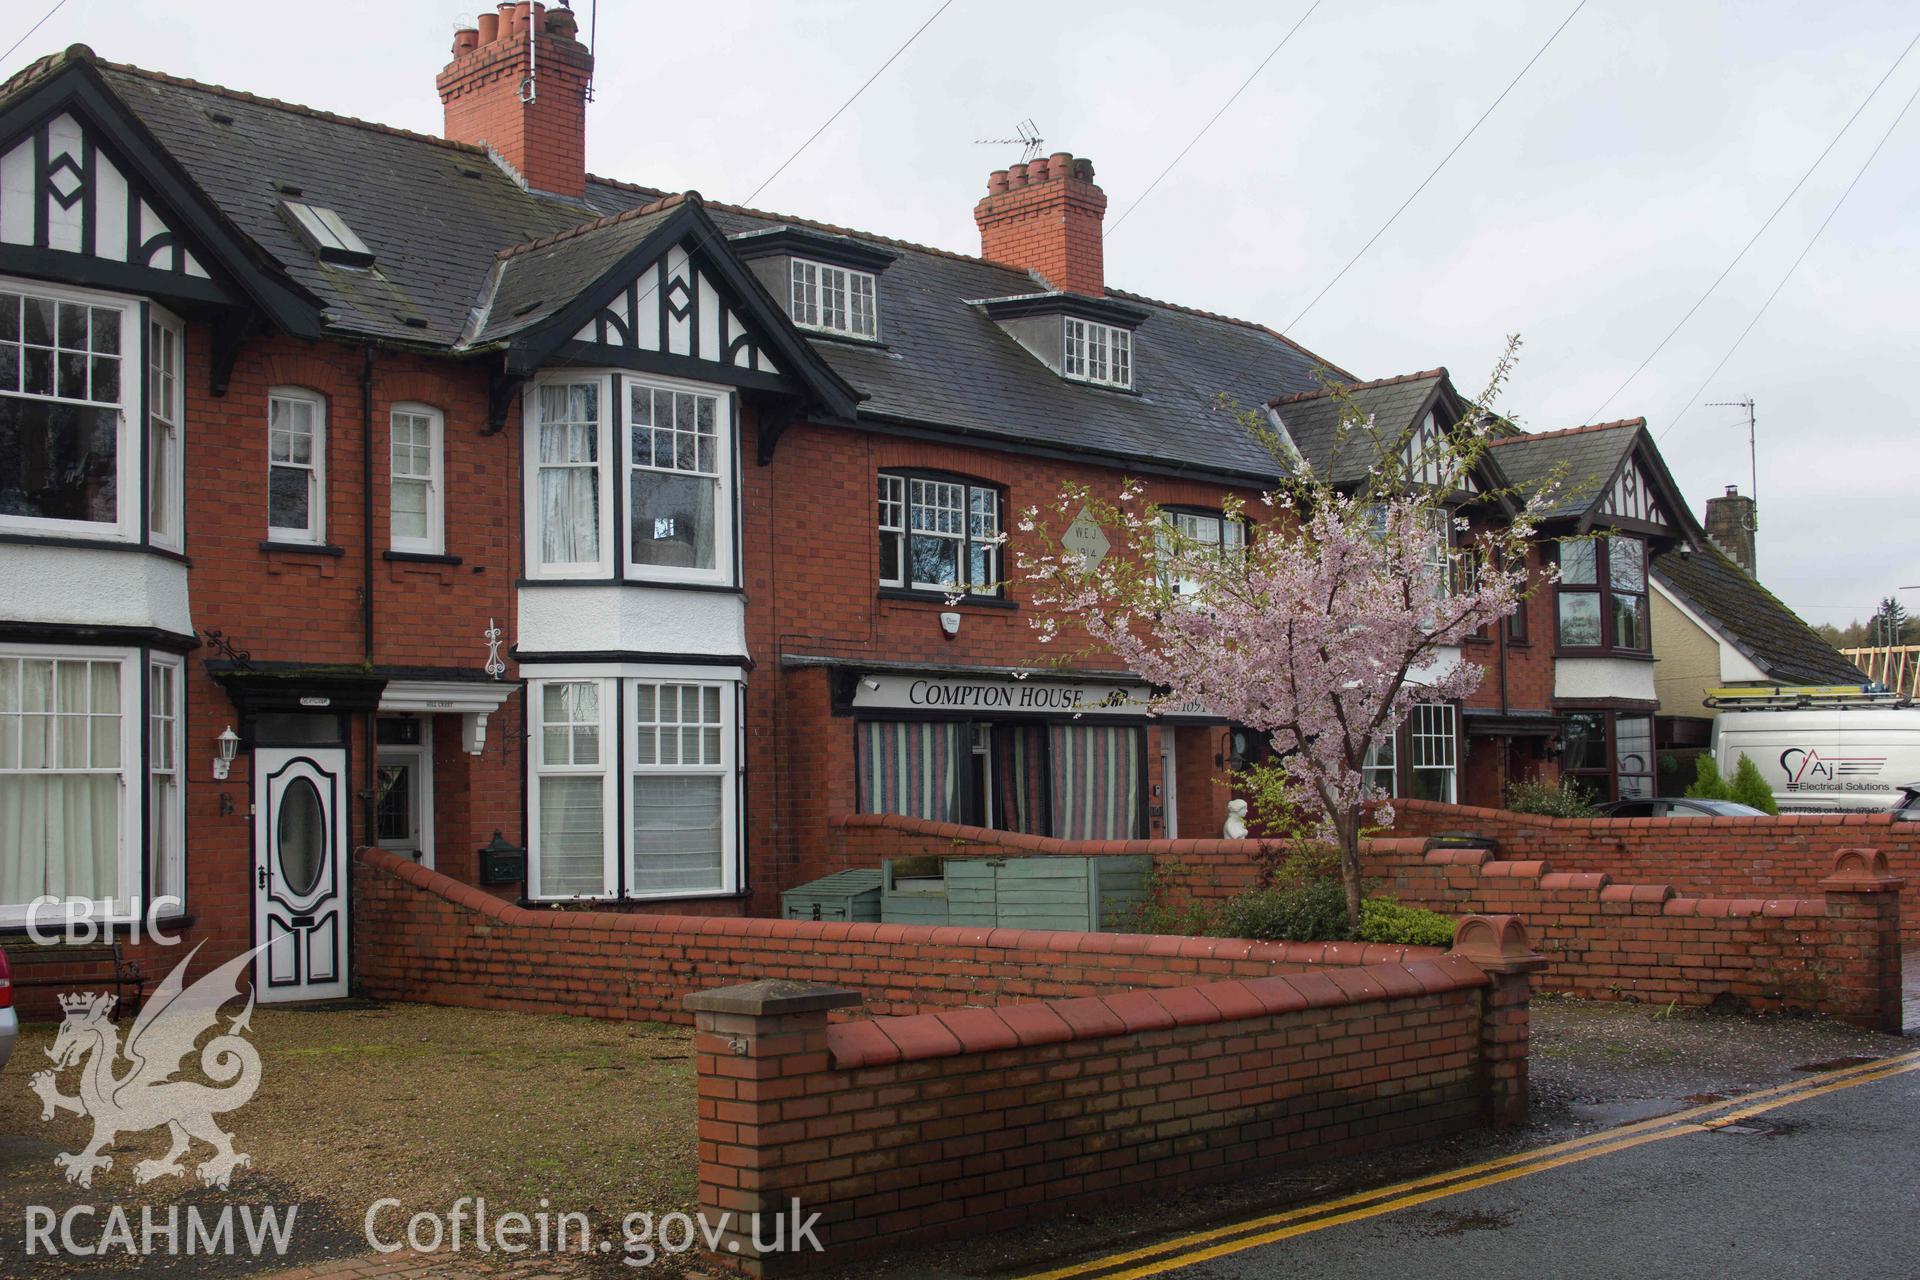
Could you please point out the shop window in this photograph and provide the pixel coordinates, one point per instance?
(1099, 772)
(1602, 595)
(912, 768)
(939, 534)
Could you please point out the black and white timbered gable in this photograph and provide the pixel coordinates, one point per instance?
(89, 198)
(674, 307)
(659, 291)
(59, 189)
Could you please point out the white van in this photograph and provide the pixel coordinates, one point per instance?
(1822, 750)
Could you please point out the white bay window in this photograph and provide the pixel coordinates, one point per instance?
(674, 444)
(71, 761)
(571, 803)
(166, 411)
(672, 735)
(64, 408)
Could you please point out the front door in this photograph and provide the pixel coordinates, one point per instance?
(300, 872)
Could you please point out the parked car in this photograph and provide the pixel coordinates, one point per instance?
(1678, 807)
(9, 1022)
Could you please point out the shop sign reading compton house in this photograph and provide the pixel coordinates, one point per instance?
(1033, 695)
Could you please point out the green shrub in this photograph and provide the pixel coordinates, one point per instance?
(1315, 912)
(1707, 782)
(1563, 799)
(1750, 788)
(1384, 920)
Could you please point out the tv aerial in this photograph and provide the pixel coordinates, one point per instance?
(1028, 139)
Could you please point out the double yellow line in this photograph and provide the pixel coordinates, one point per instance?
(1218, 1242)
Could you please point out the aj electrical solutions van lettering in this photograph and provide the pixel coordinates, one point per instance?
(1822, 749)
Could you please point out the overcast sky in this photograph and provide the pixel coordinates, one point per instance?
(1589, 212)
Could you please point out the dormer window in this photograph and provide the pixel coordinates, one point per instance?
(1100, 353)
(834, 299)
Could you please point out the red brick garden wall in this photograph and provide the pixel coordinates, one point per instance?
(910, 1128)
(422, 936)
(1813, 949)
(1717, 857)
(1837, 954)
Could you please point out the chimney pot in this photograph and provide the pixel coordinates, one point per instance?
(541, 139)
(1035, 219)
(1733, 491)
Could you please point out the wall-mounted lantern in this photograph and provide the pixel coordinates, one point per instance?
(229, 746)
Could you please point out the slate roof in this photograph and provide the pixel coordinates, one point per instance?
(437, 214)
(539, 278)
(1752, 619)
(1581, 460)
(1394, 405)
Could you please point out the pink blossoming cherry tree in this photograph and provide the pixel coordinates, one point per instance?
(1343, 605)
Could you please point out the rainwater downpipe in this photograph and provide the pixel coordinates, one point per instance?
(366, 580)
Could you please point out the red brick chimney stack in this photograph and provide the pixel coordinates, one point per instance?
(1045, 216)
(518, 84)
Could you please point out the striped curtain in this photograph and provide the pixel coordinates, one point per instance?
(1020, 778)
(910, 768)
(1097, 776)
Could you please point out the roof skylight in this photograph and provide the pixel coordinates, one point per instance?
(329, 235)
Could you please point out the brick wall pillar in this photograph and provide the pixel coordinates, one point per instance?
(1863, 904)
(754, 1046)
(1498, 945)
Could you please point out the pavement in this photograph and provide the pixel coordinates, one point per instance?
(1819, 1180)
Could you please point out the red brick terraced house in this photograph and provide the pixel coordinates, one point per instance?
(365, 487)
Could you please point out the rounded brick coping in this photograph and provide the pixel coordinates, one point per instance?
(1467, 813)
(876, 1042)
(1054, 844)
(613, 924)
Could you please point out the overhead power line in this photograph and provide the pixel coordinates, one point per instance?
(1314, 301)
(1811, 241)
(849, 102)
(1701, 301)
(1271, 53)
(58, 6)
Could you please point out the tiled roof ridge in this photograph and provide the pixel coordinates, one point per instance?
(43, 66)
(612, 219)
(1615, 425)
(279, 104)
(955, 255)
(1423, 375)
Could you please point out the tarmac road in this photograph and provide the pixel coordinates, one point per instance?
(1820, 1180)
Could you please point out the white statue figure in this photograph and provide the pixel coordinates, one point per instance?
(1236, 828)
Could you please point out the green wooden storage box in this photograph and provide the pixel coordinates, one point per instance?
(847, 896)
(1090, 895)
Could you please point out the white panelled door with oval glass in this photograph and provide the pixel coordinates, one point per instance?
(300, 873)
